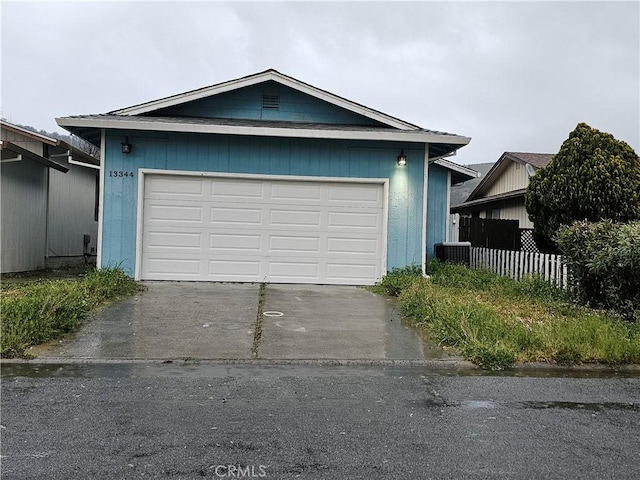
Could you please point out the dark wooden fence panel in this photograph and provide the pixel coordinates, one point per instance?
(490, 233)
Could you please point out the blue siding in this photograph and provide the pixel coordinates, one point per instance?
(258, 155)
(437, 215)
(246, 103)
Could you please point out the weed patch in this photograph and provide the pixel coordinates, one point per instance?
(397, 280)
(495, 321)
(37, 312)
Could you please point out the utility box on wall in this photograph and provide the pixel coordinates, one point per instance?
(454, 252)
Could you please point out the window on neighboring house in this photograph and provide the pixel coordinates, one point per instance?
(494, 213)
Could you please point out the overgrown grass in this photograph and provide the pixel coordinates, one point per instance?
(37, 312)
(495, 321)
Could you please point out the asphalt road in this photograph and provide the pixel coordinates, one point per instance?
(129, 421)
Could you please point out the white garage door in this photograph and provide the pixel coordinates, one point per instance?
(255, 230)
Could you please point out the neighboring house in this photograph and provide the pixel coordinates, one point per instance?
(49, 194)
(500, 193)
(267, 178)
(461, 191)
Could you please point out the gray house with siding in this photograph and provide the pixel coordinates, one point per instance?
(48, 194)
(268, 178)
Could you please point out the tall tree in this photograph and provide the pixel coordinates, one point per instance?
(593, 177)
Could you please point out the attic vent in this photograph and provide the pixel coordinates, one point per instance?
(271, 102)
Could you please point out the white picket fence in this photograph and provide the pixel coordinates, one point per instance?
(516, 264)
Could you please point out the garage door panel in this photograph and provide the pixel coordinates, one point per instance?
(355, 220)
(222, 242)
(290, 217)
(353, 246)
(174, 187)
(236, 191)
(351, 272)
(294, 243)
(250, 230)
(161, 268)
(157, 240)
(163, 213)
(292, 193)
(300, 270)
(234, 268)
(236, 216)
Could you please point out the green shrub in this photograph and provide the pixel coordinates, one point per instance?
(38, 312)
(593, 177)
(604, 264)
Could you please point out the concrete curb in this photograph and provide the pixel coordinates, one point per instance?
(451, 365)
(446, 363)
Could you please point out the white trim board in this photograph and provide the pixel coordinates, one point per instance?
(425, 206)
(145, 124)
(101, 200)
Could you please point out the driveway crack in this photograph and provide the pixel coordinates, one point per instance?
(257, 331)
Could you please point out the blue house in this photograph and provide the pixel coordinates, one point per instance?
(267, 179)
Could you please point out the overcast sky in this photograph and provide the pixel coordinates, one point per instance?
(514, 76)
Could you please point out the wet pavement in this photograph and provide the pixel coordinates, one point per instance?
(187, 421)
(220, 321)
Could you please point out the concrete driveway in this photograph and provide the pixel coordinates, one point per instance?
(221, 321)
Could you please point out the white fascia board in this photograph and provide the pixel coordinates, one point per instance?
(456, 167)
(488, 178)
(259, 78)
(346, 104)
(134, 124)
(82, 164)
(190, 96)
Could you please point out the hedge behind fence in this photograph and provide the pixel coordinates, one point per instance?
(604, 264)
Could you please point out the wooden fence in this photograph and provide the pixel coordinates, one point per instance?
(517, 264)
(490, 233)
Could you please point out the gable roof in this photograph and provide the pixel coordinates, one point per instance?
(267, 75)
(141, 117)
(536, 160)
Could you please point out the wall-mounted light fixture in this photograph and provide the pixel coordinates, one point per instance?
(126, 146)
(402, 158)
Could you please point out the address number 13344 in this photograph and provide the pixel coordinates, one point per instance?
(120, 173)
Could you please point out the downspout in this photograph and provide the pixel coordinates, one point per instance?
(447, 216)
(101, 199)
(425, 191)
(45, 153)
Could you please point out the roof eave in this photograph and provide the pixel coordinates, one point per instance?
(461, 173)
(71, 123)
(18, 150)
(515, 194)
